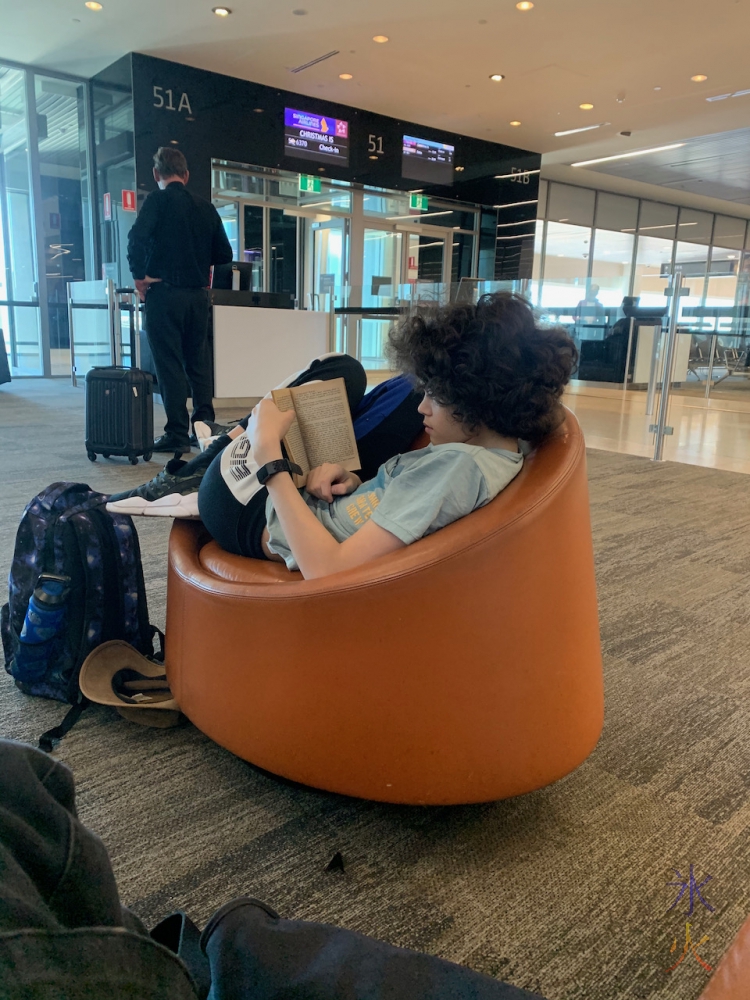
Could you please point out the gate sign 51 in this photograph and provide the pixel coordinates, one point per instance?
(308, 136)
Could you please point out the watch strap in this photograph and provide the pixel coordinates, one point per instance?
(265, 472)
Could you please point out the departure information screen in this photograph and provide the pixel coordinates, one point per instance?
(316, 137)
(424, 160)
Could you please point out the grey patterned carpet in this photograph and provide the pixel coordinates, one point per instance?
(563, 891)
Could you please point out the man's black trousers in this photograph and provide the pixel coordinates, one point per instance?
(177, 328)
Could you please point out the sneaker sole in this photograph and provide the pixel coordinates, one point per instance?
(172, 505)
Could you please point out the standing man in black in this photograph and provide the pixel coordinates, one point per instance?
(171, 247)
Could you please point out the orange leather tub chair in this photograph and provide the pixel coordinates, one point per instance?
(463, 668)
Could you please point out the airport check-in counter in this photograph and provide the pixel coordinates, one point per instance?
(256, 346)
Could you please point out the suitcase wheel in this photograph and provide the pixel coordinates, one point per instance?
(91, 456)
(147, 456)
(105, 454)
(133, 459)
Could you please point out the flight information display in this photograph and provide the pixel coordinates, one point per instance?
(424, 160)
(316, 137)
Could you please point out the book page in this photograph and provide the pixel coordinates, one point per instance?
(293, 442)
(326, 423)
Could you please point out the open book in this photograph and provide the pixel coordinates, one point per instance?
(323, 430)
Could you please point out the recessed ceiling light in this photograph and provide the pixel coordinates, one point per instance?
(497, 77)
(221, 11)
(93, 5)
(586, 107)
(524, 5)
(699, 78)
(657, 88)
(515, 124)
(174, 142)
(380, 39)
(345, 76)
(625, 156)
(373, 157)
(258, 111)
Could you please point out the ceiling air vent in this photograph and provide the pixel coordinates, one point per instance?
(314, 62)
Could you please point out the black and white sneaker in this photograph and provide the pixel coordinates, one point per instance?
(168, 494)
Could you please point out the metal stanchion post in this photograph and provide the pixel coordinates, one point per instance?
(136, 360)
(112, 318)
(73, 379)
(660, 427)
(711, 360)
(654, 372)
(627, 356)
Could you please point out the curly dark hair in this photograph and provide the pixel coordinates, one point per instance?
(490, 363)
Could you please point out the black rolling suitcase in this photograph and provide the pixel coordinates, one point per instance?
(119, 413)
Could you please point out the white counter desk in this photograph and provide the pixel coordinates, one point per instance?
(256, 348)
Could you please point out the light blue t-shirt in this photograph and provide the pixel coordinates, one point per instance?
(412, 495)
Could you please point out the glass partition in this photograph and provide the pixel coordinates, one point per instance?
(19, 300)
(612, 265)
(65, 190)
(580, 278)
(91, 337)
(653, 261)
(566, 265)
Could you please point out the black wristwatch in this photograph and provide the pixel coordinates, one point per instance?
(271, 468)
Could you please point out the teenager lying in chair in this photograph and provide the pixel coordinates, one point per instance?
(488, 377)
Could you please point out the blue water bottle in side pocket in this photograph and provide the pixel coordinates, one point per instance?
(44, 620)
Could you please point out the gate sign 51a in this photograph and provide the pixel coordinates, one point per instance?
(308, 136)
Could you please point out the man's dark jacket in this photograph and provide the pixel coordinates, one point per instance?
(177, 237)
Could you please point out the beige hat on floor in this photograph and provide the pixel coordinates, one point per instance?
(117, 674)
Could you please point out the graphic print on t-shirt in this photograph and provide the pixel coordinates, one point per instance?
(360, 509)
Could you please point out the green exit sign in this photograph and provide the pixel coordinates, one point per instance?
(418, 201)
(308, 183)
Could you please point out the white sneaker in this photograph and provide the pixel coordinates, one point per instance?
(172, 505)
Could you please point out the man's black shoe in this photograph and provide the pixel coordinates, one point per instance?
(165, 443)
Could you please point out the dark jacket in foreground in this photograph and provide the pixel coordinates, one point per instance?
(65, 936)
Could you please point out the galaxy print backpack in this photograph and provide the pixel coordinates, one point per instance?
(66, 534)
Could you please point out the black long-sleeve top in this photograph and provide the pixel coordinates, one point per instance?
(177, 237)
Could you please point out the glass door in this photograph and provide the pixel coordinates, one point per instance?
(252, 240)
(381, 278)
(329, 256)
(424, 266)
(282, 252)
